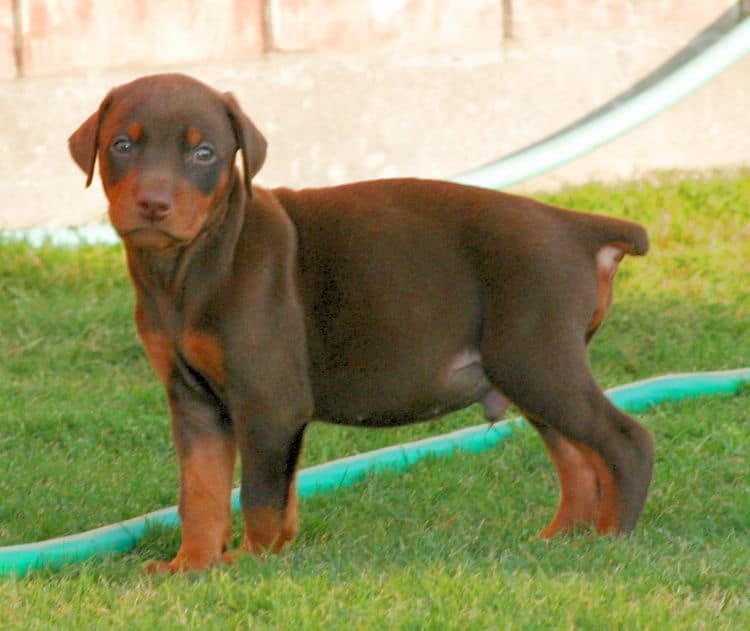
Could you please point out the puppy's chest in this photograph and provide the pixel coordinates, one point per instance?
(177, 344)
(192, 340)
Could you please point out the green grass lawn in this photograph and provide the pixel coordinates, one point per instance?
(84, 441)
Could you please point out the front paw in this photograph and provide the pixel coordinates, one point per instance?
(186, 563)
(160, 568)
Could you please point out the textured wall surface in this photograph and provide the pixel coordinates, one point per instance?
(334, 116)
(7, 40)
(60, 36)
(343, 24)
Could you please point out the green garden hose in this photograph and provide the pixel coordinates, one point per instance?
(18, 560)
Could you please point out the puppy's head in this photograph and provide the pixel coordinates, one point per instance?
(166, 147)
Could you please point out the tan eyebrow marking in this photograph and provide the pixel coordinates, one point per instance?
(135, 130)
(194, 137)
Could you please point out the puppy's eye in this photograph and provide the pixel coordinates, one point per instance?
(203, 154)
(122, 146)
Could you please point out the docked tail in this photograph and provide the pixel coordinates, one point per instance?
(626, 236)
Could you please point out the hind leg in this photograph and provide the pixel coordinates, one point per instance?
(579, 484)
(603, 457)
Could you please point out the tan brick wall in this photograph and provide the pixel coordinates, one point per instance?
(537, 20)
(356, 24)
(7, 56)
(67, 35)
(60, 36)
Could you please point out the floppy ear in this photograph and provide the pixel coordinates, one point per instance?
(250, 141)
(83, 142)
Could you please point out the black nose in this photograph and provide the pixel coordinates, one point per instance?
(155, 204)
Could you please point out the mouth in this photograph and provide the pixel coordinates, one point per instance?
(150, 238)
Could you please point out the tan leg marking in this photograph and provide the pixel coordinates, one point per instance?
(205, 486)
(579, 490)
(608, 520)
(267, 530)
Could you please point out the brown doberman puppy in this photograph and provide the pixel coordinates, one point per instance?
(370, 304)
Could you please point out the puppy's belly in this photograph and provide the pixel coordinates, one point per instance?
(383, 398)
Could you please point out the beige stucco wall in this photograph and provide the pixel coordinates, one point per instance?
(389, 109)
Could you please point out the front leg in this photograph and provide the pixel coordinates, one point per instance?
(206, 450)
(270, 449)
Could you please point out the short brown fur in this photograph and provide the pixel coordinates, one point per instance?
(371, 304)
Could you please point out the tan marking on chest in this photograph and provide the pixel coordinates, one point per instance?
(160, 352)
(204, 353)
